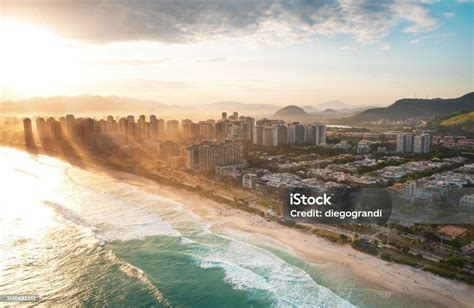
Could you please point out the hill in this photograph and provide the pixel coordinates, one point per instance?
(291, 111)
(416, 108)
(459, 119)
(310, 109)
(333, 105)
(460, 124)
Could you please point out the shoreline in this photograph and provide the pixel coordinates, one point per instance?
(402, 280)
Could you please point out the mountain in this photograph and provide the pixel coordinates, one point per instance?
(333, 105)
(291, 111)
(310, 109)
(338, 107)
(242, 108)
(416, 108)
(82, 104)
(96, 105)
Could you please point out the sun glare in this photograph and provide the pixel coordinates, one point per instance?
(32, 58)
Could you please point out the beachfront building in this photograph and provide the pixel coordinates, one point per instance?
(208, 156)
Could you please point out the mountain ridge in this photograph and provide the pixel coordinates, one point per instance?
(416, 108)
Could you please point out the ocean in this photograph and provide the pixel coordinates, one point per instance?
(76, 237)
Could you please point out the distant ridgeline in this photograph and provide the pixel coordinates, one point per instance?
(416, 108)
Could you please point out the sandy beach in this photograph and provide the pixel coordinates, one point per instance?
(405, 281)
(399, 279)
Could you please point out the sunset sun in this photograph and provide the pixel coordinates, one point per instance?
(31, 58)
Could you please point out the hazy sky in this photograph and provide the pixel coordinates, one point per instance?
(254, 51)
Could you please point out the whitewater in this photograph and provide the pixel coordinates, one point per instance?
(77, 237)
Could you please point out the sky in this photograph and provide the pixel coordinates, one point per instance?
(281, 52)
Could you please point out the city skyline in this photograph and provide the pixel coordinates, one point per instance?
(273, 52)
(237, 153)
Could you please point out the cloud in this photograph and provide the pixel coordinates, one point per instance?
(260, 22)
(385, 47)
(213, 60)
(134, 62)
(435, 38)
(349, 48)
(449, 14)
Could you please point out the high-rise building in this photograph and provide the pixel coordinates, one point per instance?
(89, 128)
(142, 128)
(206, 130)
(131, 127)
(161, 127)
(315, 134)
(42, 131)
(280, 135)
(111, 125)
(208, 156)
(248, 125)
(404, 143)
(195, 130)
(267, 136)
(296, 134)
(258, 135)
(220, 130)
(50, 128)
(236, 131)
(55, 130)
(320, 134)
(186, 127)
(422, 144)
(153, 128)
(28, 132)
(172, 127)
(224, 116)
(70, 127)
(267, 122)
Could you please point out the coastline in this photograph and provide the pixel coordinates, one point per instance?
(401, 280)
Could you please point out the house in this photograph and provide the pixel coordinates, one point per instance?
(451, 232)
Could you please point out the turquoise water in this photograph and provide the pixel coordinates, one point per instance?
(76, 237)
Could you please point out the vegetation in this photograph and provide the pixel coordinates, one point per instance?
(332, 236)
(459, 123)
(459, 119)
(416, 108)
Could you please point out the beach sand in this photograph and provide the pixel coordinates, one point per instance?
(400, 279)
